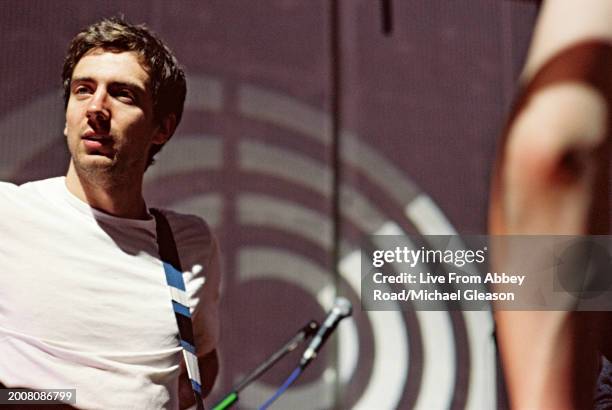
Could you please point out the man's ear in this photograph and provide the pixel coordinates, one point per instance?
(165, 129)
(65, 130)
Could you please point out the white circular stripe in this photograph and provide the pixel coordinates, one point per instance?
(187, 154)
(358, 209)
(282, 163)
(267, 159)
(439, 371)
(390, 371)
(348, 352)
(207, 206)
(255, 262)
(438, 378)
(482, 386)
(264, 210)
(425, 215)
(482, 390)
(285, 111)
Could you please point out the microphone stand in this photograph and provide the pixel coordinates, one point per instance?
(303, 334)
(342, 308)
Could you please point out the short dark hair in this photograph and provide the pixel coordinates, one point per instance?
(116, 34)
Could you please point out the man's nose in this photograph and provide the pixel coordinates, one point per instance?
(97, 110)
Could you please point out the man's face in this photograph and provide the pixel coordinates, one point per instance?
(109, 117)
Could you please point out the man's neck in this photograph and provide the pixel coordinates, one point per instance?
(119, 199)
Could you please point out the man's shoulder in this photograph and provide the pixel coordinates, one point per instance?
(12, 189)
(197, 247)
(53, 181)
(8, 187)
(183, 221)
(189, 230)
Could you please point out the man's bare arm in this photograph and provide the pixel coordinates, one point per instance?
(551, 178)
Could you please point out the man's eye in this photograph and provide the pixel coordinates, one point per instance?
(125, 96)
(81, 90)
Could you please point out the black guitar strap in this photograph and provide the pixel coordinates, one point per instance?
(174, 278)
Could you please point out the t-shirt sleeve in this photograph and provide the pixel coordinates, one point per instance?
(206, 313)
(7, 190)
(11, 206)
(201, 262)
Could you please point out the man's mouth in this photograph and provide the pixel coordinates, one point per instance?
(98, 144)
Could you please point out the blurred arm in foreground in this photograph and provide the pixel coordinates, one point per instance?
(551, 177)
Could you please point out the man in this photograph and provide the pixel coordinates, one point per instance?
(84, 302)
(551, 178)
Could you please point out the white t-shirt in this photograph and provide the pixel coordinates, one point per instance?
(84, 303)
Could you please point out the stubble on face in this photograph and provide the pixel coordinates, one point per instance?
(110, 99)
(115, 169)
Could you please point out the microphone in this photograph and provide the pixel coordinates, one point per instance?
(341, 309)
